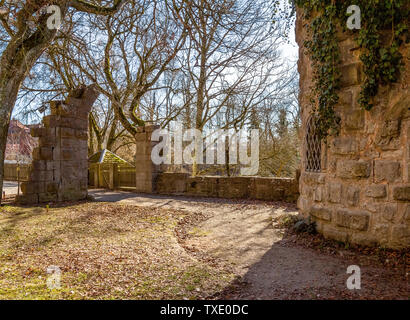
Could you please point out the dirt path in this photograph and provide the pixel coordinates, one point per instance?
(268, 263)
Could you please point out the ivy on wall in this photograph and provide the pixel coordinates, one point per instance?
(384, 29)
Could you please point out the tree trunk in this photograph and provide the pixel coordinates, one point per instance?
(200, 102)
(23, 50)
(8, 96)
(112, 137)
(16, 61)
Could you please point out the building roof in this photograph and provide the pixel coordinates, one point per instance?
(106, 156)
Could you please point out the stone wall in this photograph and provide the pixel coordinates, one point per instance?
(59, 171)
(269, 189)
(151, 179)
(362, 194)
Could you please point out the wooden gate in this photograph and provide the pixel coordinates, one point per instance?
(112, 176)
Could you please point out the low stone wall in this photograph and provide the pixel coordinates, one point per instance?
(269, 189)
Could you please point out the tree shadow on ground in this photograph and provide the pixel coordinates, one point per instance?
(288, 271)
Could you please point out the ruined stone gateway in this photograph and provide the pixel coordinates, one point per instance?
(60, 164)
(357, 185)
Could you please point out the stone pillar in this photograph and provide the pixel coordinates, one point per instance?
(60, 162)
(362, 194)
(146, 170)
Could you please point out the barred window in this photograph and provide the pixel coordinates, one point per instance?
(313, 147)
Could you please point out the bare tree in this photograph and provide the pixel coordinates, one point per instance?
(24, 37)
(230, 59)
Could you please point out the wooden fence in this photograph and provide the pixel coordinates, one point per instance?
(15, 172)
(111, 176)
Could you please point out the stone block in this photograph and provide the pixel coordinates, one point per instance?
(27, 199)
(48, 140)
(41, 176)
(354, 120)
(407, 213)
(352, 196)
(51, 187)
(307, 191)
(51, 121)
(303, 204)
(57, 154)
(400, 236)
(313, 178)
(382, 231)
(376, 191)
(37, 132)
(81, 135)
(335, 192)
(352, 169)
(32, 187)
(330, 232)
(345, 145)
(402, 192)
(389, 210)
(201, 186)
(366, 239)
(372, 206)
(67, 132)
(73, 123)
(386, 170)
(47, 197)
(72, 107)
(74, 195)
(351, 75)
(318, 194)
(346, 50)
(67, 154)
(321, 213)
(52, 165)
(68, 143)
(57, 174)
(271, 189)
(43, 153)
(235, 187)
(391, 129)
(39, 165)
(81, 124)
(355, 220)
(346, 97)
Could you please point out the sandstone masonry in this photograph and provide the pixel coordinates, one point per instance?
(59, 169)
(362, 192)
(151, 179)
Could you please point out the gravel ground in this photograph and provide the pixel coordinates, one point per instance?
(269, 261)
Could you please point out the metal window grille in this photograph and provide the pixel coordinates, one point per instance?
(313, 148)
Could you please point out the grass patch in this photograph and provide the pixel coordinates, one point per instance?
(104, 251)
